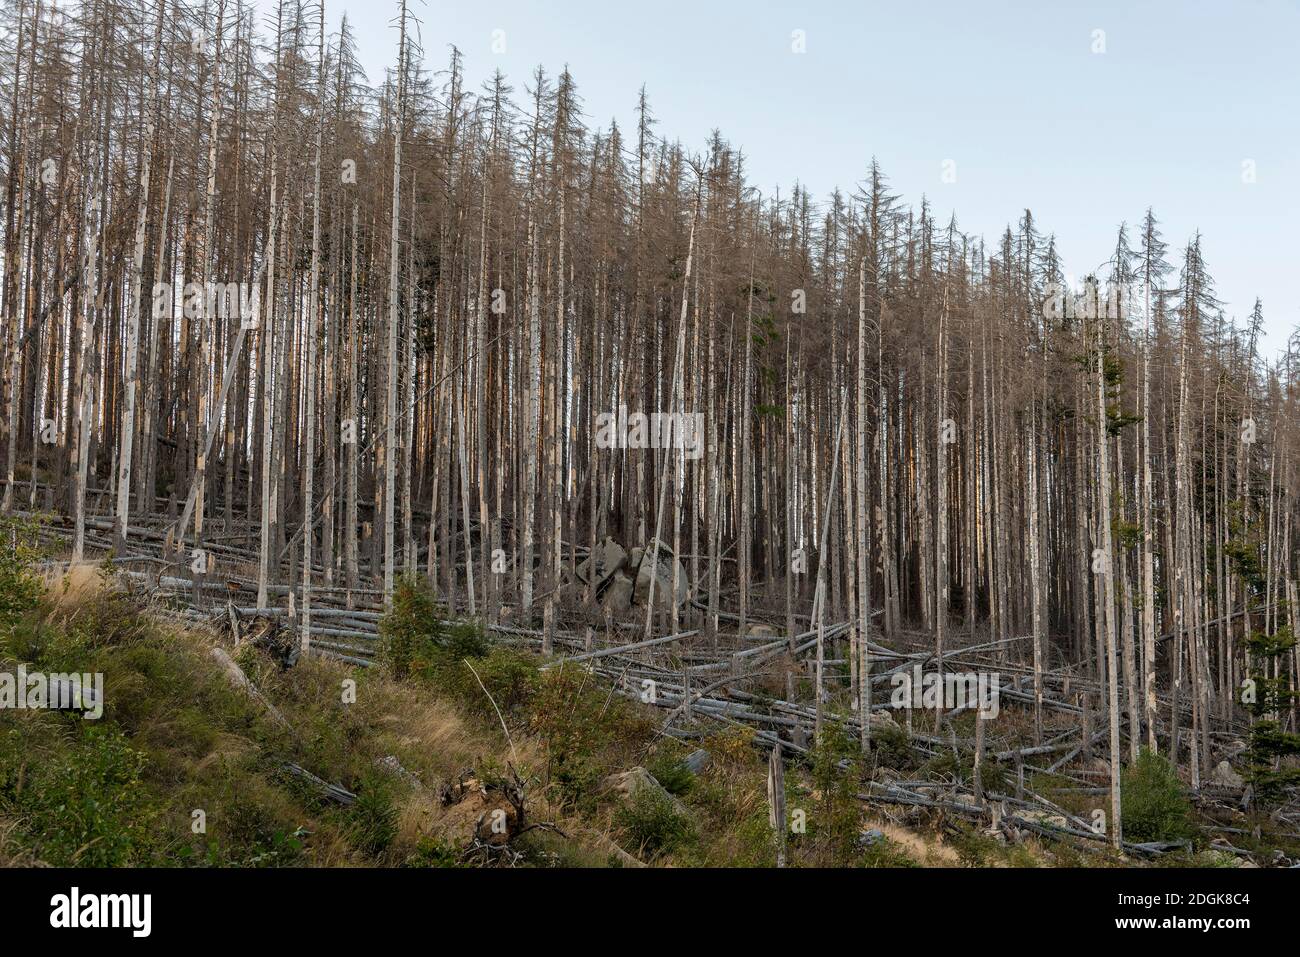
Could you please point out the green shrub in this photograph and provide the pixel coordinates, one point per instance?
(885, 853)
(409, 632)
(653, 823)
(283, 849)
(510, 676)
(88, 809)
(464, 639)
(20, 586)
(588, 730)
(251, 821)
(373, 817)
(892, 748)
(836, 773)
(672, 773)
(756, 844)
(417, 641)
(70, 639)
(1269, 766)
(431, 852)
(1153, 804)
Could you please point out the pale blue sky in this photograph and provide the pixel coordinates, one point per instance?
(1010, 91)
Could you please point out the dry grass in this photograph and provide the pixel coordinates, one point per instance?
(925, 849)
(65, 590)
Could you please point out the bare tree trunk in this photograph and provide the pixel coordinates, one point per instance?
(1148, 544)
(390, 414)
(861, 540)
(1108, 588)
(313, 293)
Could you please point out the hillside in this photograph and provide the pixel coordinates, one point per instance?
(410, 762)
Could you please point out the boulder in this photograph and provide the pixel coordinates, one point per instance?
(761, 630)
(64, 694)
(870, 837)
(618, 595)
(1225, 777)
(601, 565)
(1097, 766)
(662, 576)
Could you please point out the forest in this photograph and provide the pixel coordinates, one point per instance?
(286, 340)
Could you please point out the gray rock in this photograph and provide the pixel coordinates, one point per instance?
(618, 595)
(1225, 777)
(608, 558)
(697, 761)
(662, 577)
(65, 694)
(870, 836)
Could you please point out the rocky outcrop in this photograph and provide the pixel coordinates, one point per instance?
(601, 565)
(617, 598)
(620, 580)
(659, 572)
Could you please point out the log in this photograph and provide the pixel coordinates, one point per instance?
(331, 792)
